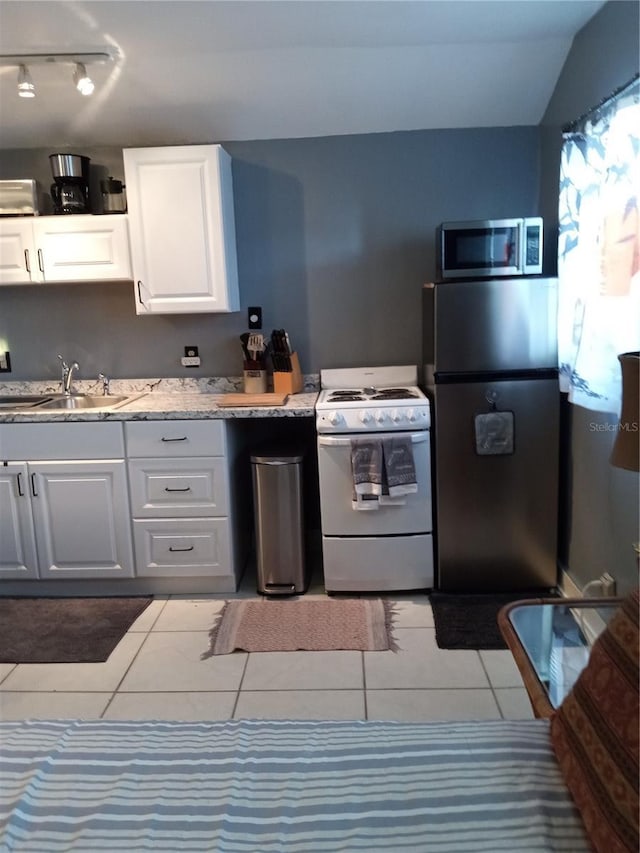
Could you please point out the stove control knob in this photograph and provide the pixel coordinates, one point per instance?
(380, 416)
(411, 416)
(396, 416)
(365, 417)
(335, 418)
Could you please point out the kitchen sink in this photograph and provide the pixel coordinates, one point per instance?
(85, 401)
(23, 401)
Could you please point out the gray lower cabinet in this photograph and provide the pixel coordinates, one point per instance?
(64, 505)
(180, 500)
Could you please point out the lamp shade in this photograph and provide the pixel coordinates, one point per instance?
(626, 448)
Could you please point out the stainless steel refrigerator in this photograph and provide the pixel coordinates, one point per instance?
(490, 369)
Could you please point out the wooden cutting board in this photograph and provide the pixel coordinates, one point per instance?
(269, 399)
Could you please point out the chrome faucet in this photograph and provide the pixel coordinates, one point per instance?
(105, 383)
(67, 374)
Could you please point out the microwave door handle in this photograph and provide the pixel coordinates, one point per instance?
(335, 441)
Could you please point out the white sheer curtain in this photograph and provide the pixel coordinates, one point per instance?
(598, 252)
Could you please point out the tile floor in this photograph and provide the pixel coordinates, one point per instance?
(155, 672)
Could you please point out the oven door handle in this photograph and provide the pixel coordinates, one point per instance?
(334, 441)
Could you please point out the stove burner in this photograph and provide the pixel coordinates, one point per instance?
(395, 394)
(347, 398)
(343, 393)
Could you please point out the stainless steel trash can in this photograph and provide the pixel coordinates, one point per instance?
(279, 522)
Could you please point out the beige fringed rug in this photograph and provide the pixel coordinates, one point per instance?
(309, 624)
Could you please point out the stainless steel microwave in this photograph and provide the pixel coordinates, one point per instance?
(490, 248)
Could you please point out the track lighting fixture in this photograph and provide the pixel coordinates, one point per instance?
(82, 81)
(26, 89)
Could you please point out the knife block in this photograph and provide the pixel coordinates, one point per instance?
(289, 382)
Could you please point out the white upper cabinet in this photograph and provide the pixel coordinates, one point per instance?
(182, 228)
(83, 248)
(18, 259)
(64, 248)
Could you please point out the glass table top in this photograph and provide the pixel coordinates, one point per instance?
(557, 639)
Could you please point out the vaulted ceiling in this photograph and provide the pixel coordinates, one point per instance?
(184, 71)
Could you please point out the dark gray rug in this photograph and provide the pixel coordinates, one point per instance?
(65, 630)
(471, 621)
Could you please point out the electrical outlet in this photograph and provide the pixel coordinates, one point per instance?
(607, 584)
(254, 317)
(190, 357)
(5, 362)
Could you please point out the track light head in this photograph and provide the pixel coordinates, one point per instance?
(84, 83)
(26, 87)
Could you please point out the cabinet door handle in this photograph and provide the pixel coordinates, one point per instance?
(26, 261)
(140, 299)
(183, 438)
(33, 486)
(187, 489)
(190, 548)
(19, 484)
(40, 260)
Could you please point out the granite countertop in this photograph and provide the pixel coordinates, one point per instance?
(158, 399)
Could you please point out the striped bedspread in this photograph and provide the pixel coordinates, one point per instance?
(266, 786)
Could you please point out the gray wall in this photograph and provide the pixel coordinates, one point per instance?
(335, 238)
(599, 517)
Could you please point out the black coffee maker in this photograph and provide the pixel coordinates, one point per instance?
(70, 192)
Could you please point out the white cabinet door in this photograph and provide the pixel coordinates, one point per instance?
(18, 557)
(18, 254)
(83, 248)
(182, 226)
(82, 519)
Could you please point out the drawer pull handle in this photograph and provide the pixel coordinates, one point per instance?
(33, 486)
(19, 482)
(190, 548)
(187, 489)
(184, 438)
(26, 261)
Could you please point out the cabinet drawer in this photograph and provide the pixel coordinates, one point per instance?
(182, 547)
(175, 438)
(61, 441)
(178, 487)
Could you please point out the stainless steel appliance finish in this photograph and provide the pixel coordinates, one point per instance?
(19, 198)
(279, 523)
(389, 547)
(70, 166)
(493, 325)
(70, 190)
(113, 196)
(489, 347)
(490, 247)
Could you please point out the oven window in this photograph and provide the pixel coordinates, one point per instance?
(481, 248)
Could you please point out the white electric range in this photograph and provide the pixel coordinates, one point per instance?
(389, 546)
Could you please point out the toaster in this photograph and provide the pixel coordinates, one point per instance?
(19, 198)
